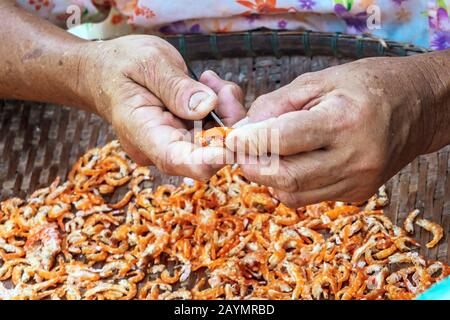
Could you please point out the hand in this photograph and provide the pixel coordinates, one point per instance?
(140, 84)
(344, 131)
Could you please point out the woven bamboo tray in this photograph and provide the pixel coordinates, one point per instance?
(40, 141)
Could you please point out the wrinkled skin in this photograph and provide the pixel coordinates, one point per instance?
(146, 94)
(346, 130)
(137, 83)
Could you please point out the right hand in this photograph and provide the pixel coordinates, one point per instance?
(345, 130)
(140, 85)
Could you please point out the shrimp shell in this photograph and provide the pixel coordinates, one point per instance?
(225, 238)
(434, 228)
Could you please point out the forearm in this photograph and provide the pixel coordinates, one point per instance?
(435, 90)
(39, 61)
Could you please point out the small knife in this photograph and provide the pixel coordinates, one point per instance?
(217, 119)
(212, 114)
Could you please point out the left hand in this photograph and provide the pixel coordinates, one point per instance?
(140, 84)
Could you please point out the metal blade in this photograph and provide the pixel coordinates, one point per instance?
(212, 113)
(217, 119)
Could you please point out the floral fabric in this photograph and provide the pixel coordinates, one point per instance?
(421, 22)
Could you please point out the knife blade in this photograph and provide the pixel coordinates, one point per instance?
(217, 119)
(212, 114)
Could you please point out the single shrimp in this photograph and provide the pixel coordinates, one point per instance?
(122, 202)
(285, 216)
(380, 255)
(214, 137)
(310, 234)
(379, 200)
(434, 228)
(43, 244)
(320, 281)
(341, 211)
(401, 241)
(168, 279)
(408, 257)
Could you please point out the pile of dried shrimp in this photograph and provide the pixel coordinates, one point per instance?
(223, 239)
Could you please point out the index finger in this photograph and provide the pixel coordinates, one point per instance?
(230, 106)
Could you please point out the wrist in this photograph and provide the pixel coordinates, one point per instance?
(94, 74)
(434, 88)
(86, 77)
(66, 76)
(43, 62)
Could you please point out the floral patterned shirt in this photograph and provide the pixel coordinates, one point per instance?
(422, 22)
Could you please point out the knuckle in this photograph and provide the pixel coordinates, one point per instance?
(145, 68)
(161, 49)
(172, 89)
(308, 78)
(343, 119)
(261, 101)
(167, 118)
(371, 164)
(290, 200)
(163, 76)
(249, 172)
(166, 165)
(143, 131)
(203, 172)
(177, 84)
(235, 89)
(260, 106)
(155, 51)
(289, 182)
(134, 103)
(357, 195)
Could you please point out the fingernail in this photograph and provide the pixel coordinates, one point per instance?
(211, 73)
(200, 100)
(241, 122)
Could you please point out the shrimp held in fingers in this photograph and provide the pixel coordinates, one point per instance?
(214, 137)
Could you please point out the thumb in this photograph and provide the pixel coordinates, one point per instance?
(288, 134)
(186, 98)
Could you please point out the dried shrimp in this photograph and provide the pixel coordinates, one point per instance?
(226, 238)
